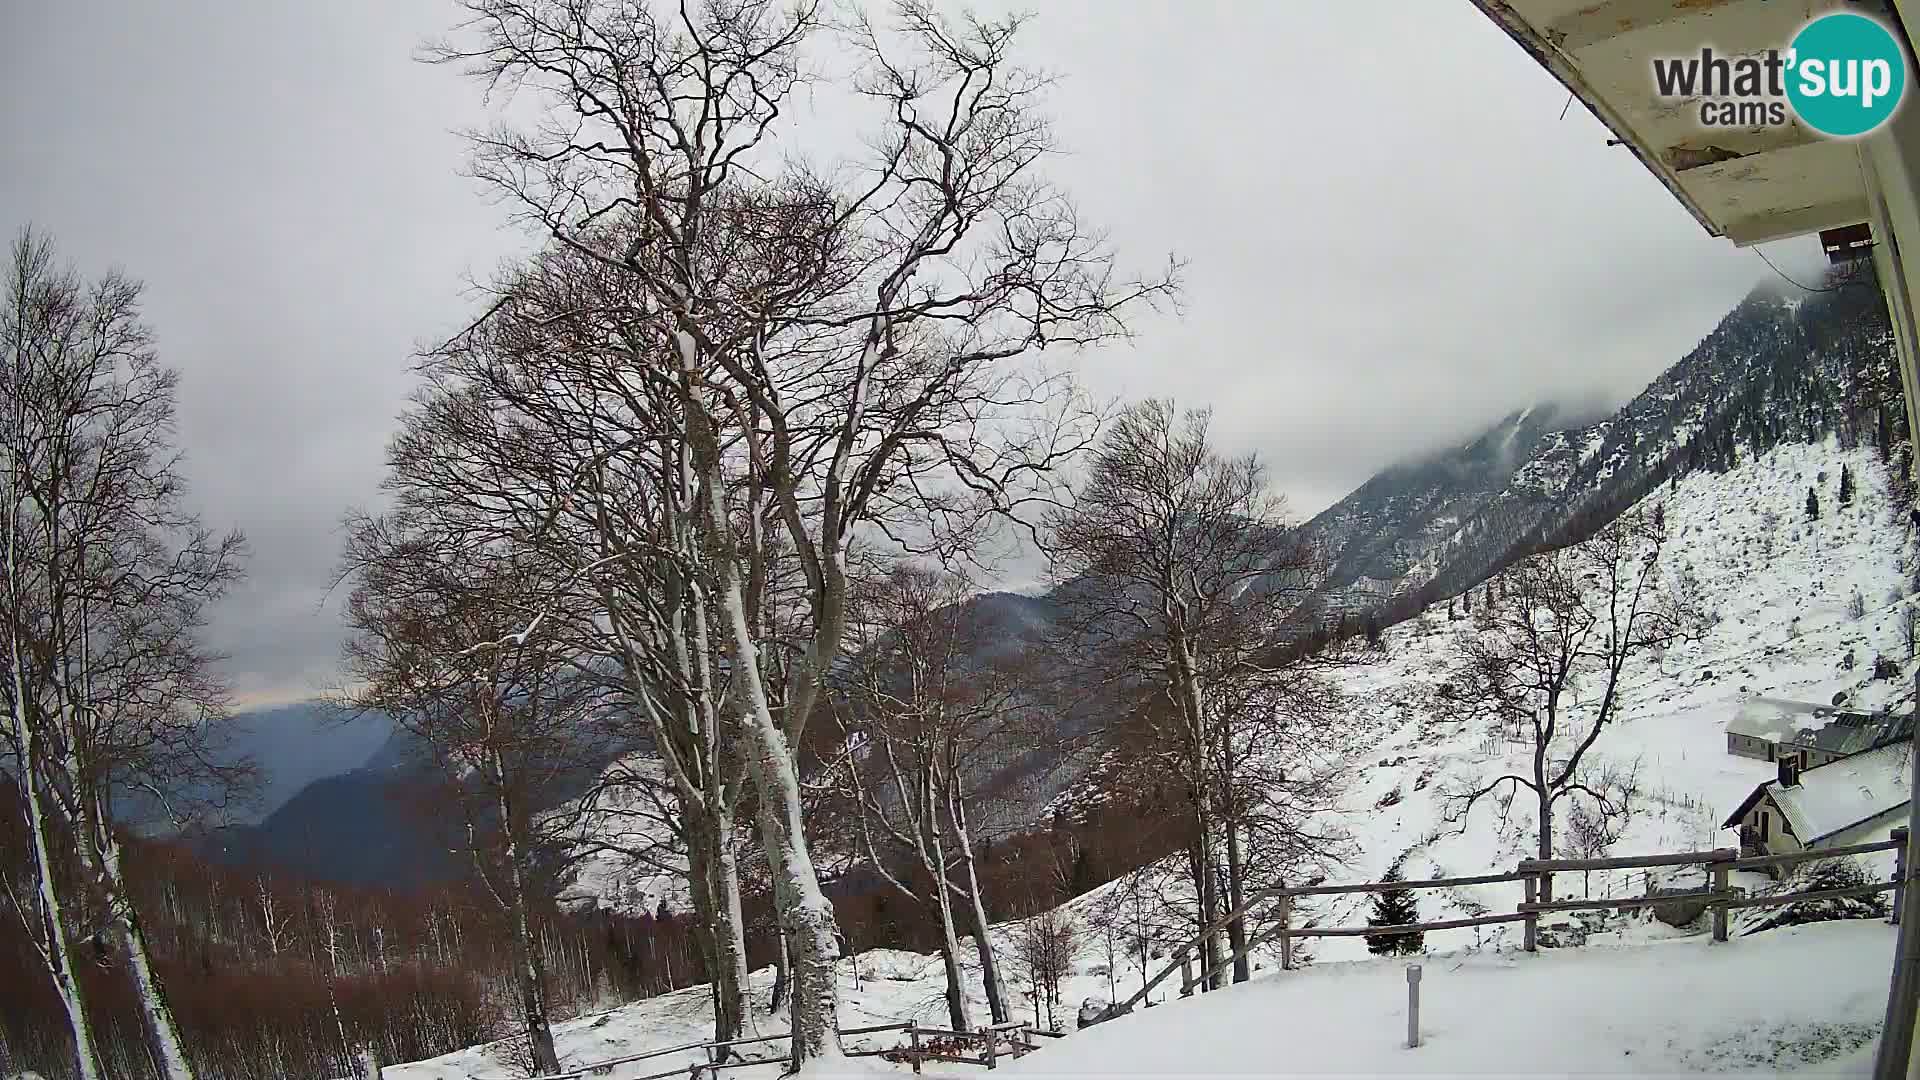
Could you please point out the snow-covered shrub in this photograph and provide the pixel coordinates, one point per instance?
(1857, 607)
(1815, 876)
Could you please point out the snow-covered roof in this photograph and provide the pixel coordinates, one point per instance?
(1823, 727)
(1844, 793)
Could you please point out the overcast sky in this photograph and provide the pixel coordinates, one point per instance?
(1393, 237)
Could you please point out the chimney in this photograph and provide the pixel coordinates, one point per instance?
(1789, 770)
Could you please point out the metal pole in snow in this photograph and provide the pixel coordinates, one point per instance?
(1413, 1005)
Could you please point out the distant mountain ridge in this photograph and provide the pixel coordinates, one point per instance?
(1776, 369)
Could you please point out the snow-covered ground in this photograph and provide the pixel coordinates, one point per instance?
(1807, 998)
(1640, 996)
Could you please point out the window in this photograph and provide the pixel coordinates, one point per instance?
(1763, 824)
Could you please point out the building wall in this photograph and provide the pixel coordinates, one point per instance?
(1749, 746)
(1770, 828)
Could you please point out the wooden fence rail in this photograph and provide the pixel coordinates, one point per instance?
(1018, 1034)
(1536, 875)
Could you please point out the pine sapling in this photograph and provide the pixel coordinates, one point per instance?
(1395, 907)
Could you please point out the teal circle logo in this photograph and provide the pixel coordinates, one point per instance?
(1846, 74)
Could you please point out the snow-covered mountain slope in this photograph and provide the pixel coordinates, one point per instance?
(1780, 588)
(626, 856)
(1777, 367)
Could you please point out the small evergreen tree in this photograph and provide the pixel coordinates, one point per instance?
(1846, 485)
(1394, 908)
(1466, 602)
(1813, 505)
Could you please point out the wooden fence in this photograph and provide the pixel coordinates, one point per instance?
(1536, 875)
(922, 1044)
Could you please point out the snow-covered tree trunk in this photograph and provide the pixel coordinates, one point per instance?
(1186, 677)
(714, 888)
(949, 939)
(977, 914)
(169, 1050)
(730, 938)
(806, 916)
(53, 945)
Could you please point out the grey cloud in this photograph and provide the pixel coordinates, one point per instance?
(1393, 237)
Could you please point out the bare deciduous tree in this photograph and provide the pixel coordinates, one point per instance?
(927, 711)
(1549, 661)
(1179, 577)
(836, 347)
(109, 689)
(444, 644)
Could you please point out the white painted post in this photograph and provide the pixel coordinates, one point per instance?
(1413, 1005)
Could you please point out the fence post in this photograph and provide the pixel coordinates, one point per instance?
(1899, 872)
(1186, 972)
(993, 1037)
(1413, 1005)
(913, 1042)
(1720, 905)
(1286, 938)
(1532, 937)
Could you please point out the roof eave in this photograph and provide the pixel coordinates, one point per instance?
(1547, 55)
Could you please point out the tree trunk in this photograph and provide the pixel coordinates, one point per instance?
(803, 910)
(956, 982)
(58, 953)
(782, 969)
(1187, 685)
(949, 940)
(706, 919)
(805, 914)
(977, 917)
(714, 889)
(730, 936)
(533, 991)
(1203, 871)
(169, 1051)
(997, 1006)
(1236, 894)
(55, 950)
(1546, 842)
